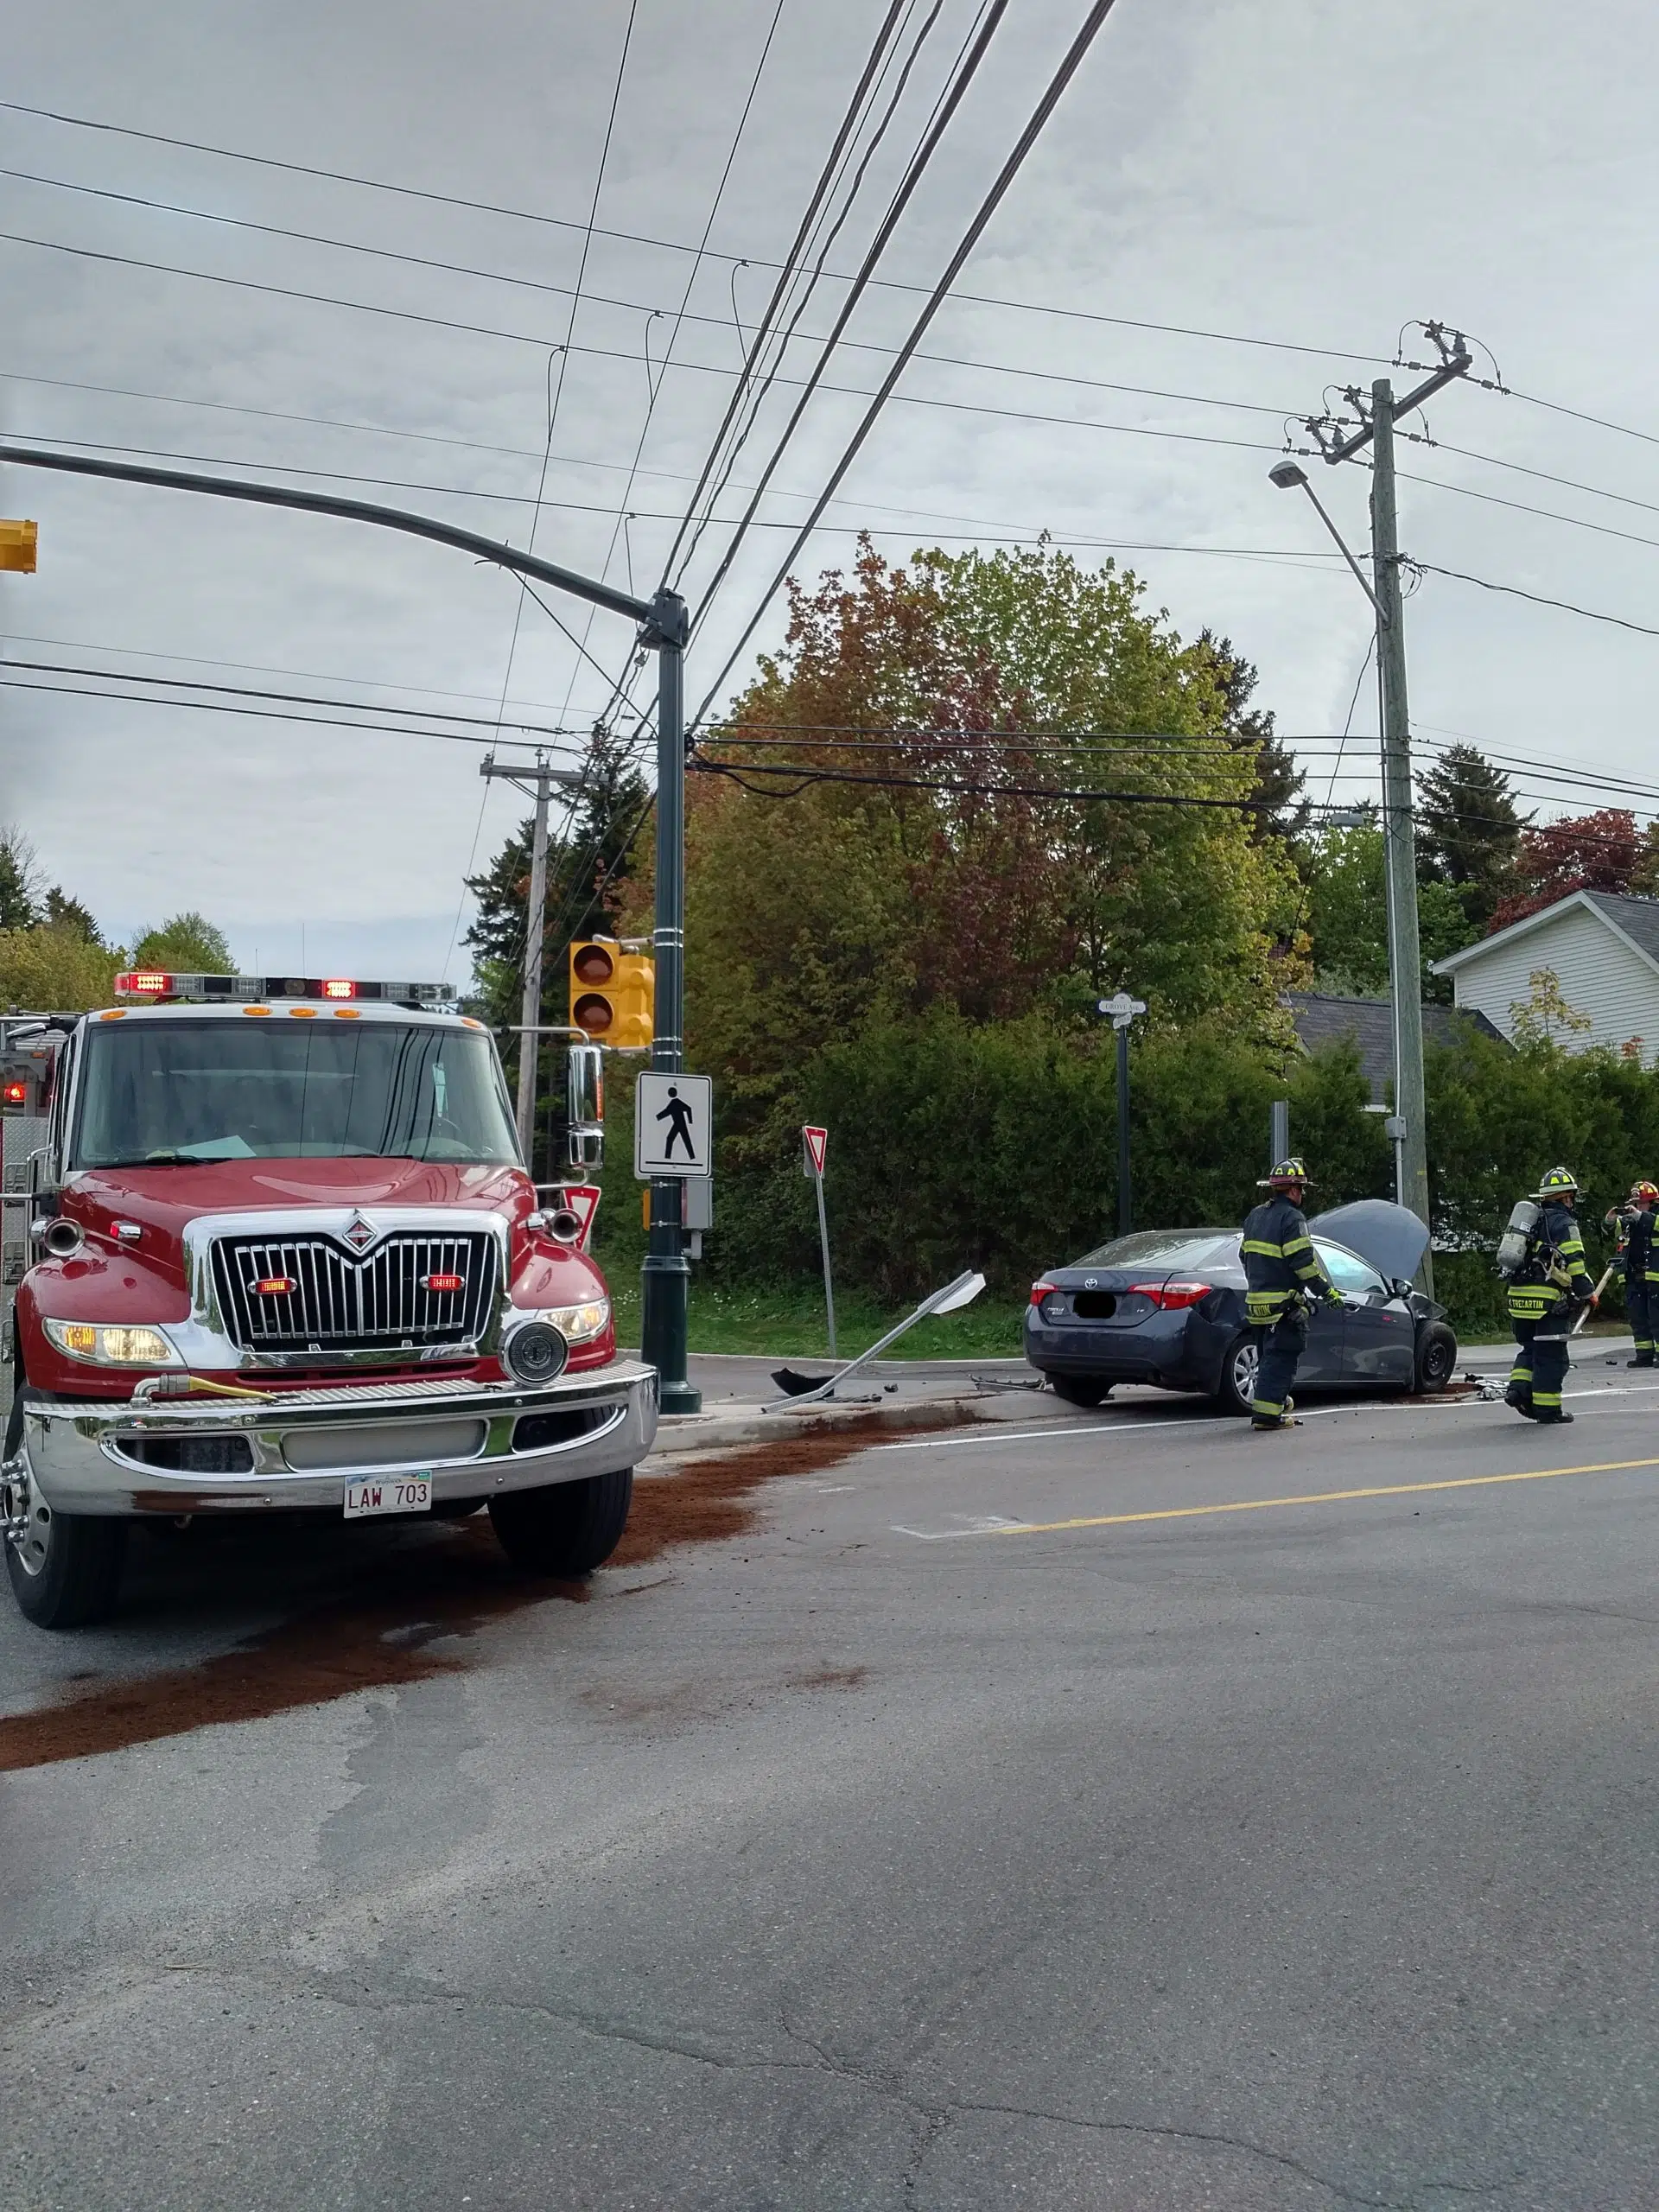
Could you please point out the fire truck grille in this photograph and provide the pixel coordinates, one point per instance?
(309, 1293)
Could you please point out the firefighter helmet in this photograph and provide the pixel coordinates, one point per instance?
(1560, 1183)
(1645, 1194)
(1287, 1175)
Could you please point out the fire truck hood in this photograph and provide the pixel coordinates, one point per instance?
(167, 1199)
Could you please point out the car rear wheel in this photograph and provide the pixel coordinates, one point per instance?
(1437, 1356)
(1081, 1389)
(566, 1529)
(1236, 1388)
(65, 1567)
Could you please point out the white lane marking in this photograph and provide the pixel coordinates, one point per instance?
(1119, 1428)
(974, 1524)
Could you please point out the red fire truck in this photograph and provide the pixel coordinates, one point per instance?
(284, 1257)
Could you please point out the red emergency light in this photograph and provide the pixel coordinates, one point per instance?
(338, 987)
(276, 1285)
(144, 984)
(15, 1093)
(443, 1282)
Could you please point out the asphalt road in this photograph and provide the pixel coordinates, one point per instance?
(1119, 1812)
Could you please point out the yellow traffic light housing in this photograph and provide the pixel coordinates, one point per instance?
(18, 543)
(613, 994)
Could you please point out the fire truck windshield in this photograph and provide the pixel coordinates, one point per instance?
(176, 1093)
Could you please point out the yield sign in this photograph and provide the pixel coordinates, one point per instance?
(818, 1143)
(582, 1199)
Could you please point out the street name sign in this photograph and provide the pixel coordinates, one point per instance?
(674, 1126)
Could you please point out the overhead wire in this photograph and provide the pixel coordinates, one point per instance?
(963, 73)
(751, 350)
(1062, 76)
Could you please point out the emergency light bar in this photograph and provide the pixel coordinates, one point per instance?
(161, 986)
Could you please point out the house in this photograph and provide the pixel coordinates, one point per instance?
(1602, 947)
(1320, 1020)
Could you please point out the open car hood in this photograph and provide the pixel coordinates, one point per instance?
(1389, 1238)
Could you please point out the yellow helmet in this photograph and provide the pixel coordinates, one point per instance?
(1560, 1183)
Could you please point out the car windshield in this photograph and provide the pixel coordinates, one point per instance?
(1345, 1270)
(1164, 1247)
(169, 1093)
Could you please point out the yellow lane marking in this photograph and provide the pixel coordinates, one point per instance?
(1319, 1497)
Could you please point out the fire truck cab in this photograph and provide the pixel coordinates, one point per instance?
(284, 1256)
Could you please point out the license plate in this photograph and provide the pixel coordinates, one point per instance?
(389, 1494)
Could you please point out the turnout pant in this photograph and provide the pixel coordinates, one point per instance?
(1281, 1346)
(1642, 1304)
(1540, 1366)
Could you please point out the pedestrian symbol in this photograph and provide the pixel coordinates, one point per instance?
(673, 1126)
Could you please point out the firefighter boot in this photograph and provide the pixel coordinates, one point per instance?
(1520, 1399)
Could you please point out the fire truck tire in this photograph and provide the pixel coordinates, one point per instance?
(65, 1568)
(566, 1529)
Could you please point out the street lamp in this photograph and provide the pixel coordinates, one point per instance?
(1121, 1011)
(1288, 476)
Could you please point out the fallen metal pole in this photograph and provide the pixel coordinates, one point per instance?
(962, 1291)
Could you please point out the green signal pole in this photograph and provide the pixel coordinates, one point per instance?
(666, 1287)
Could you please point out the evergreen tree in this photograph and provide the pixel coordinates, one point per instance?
(1469, 830)
(63, 912)
(17, 880)
(589, 863)
(1279, 782)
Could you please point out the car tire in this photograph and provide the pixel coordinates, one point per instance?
(565, 1529)
(1236, 1388)
(1081, 1389)
(65, 1567)
(1437, 1357)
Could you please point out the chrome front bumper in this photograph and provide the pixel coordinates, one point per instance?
(306, 1444)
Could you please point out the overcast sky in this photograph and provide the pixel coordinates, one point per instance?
(1272, 169)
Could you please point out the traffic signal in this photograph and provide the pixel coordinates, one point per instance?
(18, 541)
(612, 993)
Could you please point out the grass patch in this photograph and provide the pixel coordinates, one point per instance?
(786, 1324)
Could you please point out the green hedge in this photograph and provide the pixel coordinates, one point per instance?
(994, 1146)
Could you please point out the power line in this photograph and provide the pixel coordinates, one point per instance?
(1538, 599)
(827, 176)
(1069, 64)
(806, 777)
(966, 69)
(636, 238)
(218, 706)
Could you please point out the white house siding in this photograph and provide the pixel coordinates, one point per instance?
(1599, 976)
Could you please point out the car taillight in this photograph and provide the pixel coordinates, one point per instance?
(1039, 1291)
(1173, 1295)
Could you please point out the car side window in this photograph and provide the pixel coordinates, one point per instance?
(1349, 1274)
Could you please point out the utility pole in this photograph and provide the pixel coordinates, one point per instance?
(529, 1017)
(1376, 419)
(664, 626)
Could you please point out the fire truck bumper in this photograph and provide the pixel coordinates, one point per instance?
(299, 1449)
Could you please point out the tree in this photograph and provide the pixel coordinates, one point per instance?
(19, 880)
(48, 970)
(186, 943)
(1545, 1015)
(1601, 851)
(590, 863)
(1347, 915)
(951, 696)
(63, 912)
(1469, 830)
(1279, 782)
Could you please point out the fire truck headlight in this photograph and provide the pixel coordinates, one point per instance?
(105, 1346)
(578, 1325)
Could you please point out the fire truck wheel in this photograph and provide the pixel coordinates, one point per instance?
(568, 1529)
(65, 1567)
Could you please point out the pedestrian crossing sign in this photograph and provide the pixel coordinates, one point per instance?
(673, 1126)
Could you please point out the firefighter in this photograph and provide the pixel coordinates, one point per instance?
(1284, 1277)
(1543, 1291)
(1637, 1261)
